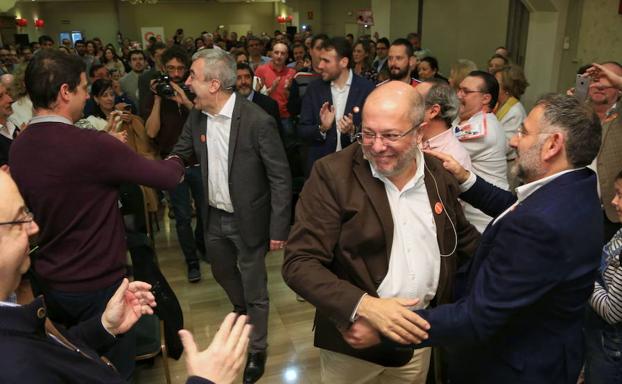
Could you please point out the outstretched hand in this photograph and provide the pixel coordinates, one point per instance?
(451, 164)
(394, 319)
(222, 361)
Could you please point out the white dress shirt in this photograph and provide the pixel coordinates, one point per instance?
(415, 261)
(7, 129)
(522, 192)
(217, 141)
(340, 99)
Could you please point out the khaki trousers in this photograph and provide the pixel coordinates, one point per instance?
(337, 368)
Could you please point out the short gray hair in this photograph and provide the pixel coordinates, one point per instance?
(443, 95)
(219, 65)
(579, 123)
(417, 110)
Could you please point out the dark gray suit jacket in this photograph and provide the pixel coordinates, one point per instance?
(260, 183)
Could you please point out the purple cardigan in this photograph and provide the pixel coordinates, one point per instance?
(69, 178)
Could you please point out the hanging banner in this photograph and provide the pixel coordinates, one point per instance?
(147, 32)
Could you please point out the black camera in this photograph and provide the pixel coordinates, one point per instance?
(163, 87)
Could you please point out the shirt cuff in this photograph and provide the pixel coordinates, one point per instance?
(354, 316)
(323, 134)
(468, 183)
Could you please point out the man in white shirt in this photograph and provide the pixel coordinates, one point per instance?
(481, 134)
(377, 225)
(331, 108)
(247, 187)
(8, 131)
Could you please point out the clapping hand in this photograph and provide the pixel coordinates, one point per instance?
(327, 116)
(222, 361)
(346, 124)
(127, 305)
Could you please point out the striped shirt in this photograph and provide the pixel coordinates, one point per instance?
(607, 298)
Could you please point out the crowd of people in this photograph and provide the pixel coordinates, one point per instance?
(441, 230)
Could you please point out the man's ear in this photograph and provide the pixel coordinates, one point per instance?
(64, 92)
(486, 98)
(432, 112)
(553, 146)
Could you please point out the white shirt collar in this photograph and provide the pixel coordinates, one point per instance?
(348, 82)
(525, 190)
(7, 129)
(227, 109)
(251, 95)
(418, 177)
(50, 119)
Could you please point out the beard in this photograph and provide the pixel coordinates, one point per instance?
(399, 74)
(528, 166)
(244, 91)
(402, 162)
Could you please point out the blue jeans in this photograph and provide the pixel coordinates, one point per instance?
(603, 342)
(190, 241)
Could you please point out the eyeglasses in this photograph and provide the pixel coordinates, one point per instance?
(522, 132)
(468, 91)
(369, 138)
(27, 218)
(171, 68)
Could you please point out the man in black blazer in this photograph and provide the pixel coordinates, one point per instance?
(244, 88)
(247, 186)
(331, 109)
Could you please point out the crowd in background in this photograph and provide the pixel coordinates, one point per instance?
(472, 113)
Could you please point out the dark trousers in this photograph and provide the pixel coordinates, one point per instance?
(603, 350)
(70, 308)
(189, 240)
(241, 272)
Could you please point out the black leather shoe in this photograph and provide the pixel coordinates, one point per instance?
(255, 366)
(194, 273)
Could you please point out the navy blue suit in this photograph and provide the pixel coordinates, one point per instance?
(521, 301)
(318, 92)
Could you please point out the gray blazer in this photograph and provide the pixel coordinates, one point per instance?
(260, 182)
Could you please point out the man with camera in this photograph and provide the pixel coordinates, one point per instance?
(169, 104)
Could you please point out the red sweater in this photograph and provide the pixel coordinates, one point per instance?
(69, 178)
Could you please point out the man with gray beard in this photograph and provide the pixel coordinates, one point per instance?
(378, 232)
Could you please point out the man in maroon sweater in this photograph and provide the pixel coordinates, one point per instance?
(69, 178)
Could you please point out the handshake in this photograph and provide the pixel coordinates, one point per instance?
(390, 317)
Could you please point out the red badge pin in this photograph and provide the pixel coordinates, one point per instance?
(438, 208)
(203, 138)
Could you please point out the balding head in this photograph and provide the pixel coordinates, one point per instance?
(396, 97)
(14, 245)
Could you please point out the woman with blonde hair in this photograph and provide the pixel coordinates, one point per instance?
(459, 70)
(509, 110)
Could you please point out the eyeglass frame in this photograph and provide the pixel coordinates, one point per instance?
(396, 137)
(468, 91)
(29, 218)
(521, 132)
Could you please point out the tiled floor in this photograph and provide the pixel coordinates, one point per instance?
(291, 355)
